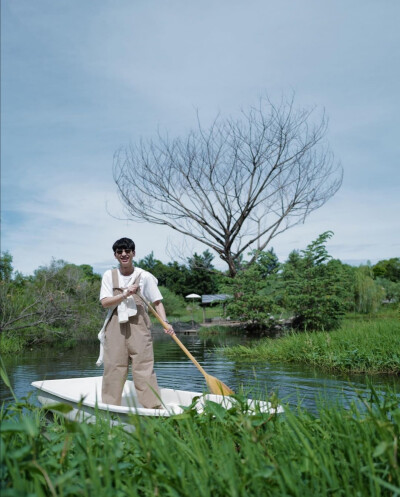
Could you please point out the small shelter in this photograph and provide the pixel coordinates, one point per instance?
(209, 300)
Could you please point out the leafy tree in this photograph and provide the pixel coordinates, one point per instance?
(198, 276)
(266, 261)
(253, 288)
(150, 263)
(88, 274)
(59, 300)
(176, 277)
(173, 275)
(175, 305)
(391, 289)
(202, 261)
(317, 288)
(202, 278)
(368, 294)
(388, 269)
(155, 267)
(6, 268)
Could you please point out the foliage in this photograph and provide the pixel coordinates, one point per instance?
(6, 268)
(266, 262)
(316, 287)
(218, 453)
(151, 264)
(253, 289)
(391, 289)
(388, 269)
(358, 346)
(368, 293)
(174, 304)
(175, 277)
(198, 276)
(203, 277)
(59, 301)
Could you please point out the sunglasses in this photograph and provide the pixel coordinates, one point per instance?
(121, 251)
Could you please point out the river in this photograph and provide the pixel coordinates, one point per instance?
(293, 384)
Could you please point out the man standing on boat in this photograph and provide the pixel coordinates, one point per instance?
(127, 332)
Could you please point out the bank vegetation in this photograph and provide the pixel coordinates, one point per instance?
(226, 453)
(305, 301)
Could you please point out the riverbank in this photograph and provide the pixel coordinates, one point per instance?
(361, 345)
(218, 453)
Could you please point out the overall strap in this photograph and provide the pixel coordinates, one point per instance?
(115, 279)
(136, 275)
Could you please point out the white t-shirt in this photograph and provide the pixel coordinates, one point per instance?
(148, 284)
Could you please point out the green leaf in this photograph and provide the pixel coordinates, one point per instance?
(380, 449)
(26, 425)
(216, 409)
(59, 407)
(18, 454)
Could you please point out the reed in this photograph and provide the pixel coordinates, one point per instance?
(12, 344)
(218, 453)
(359, 346)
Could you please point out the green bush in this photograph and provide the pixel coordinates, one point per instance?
(368, 293)
(60, 301)
(175, 305)
(317, 288)
(254, 303)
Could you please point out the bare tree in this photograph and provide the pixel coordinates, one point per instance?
(44, 308)
(236, 185)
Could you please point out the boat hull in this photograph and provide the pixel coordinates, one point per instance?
(83, 395)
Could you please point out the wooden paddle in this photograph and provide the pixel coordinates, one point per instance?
(215, 385)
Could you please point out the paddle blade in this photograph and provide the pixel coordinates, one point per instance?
(217, 387)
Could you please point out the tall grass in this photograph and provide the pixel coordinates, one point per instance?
(12, 344)
(217, 453)
(370, 346)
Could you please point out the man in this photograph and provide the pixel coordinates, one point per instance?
(127, 333)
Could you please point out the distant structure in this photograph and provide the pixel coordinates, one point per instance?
(208, 300)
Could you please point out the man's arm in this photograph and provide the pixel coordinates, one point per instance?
(112, 301)
(117, 299)
(159, 307)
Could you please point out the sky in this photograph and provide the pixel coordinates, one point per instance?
(82, 78)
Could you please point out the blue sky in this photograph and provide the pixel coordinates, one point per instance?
(82, 78)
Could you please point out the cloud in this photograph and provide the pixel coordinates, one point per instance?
(80, 79)
(79, 224)
(74, 222)
(365, 227)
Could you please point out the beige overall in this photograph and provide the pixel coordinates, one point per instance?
(124, 341)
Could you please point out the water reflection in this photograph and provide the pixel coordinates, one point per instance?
(292, 384)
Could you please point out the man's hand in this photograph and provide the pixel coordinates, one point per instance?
(170, 330)
(132, 289)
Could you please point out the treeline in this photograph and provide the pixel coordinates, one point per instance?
(58, 302)
(311, 290)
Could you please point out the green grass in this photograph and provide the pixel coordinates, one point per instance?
(219, 453)
(12, 344)
(359, 346)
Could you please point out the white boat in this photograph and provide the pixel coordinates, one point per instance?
(83, 395)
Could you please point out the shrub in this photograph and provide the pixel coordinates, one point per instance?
(317, 288)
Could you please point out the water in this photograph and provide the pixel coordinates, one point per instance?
(292, 384)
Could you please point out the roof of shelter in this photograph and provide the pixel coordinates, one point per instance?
(209, 299)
